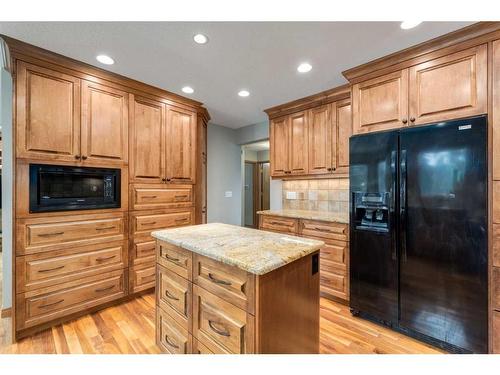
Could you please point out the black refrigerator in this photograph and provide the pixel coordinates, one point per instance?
(418, 232)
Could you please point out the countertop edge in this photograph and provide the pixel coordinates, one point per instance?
(295, 215)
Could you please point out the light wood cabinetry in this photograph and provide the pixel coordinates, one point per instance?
(334, 256)
(313, 141)
(448, 87)
(207, 307)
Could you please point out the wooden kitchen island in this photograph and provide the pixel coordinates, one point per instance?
(227, 289)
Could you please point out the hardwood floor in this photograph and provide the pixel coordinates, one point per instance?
(129, 328)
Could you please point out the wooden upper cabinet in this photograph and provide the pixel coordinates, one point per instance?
(320, 140)
(147, 140)
(449, 87)
(279, 145)
(344, 131)
(180, 145)
(380, 103)
(298, 155)
(104, 124)
(47, 113)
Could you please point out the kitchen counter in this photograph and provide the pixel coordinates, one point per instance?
(309, 215)
(251, 250)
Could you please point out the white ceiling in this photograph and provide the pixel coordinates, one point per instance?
(261, 57)
(257, 146)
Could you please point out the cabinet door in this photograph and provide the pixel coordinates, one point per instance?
(104, 124)
(279, 146)
(298, 157)
(320, 140)
(495, 114)
(344, 131)
(48, 113)
(147, 140)
(380, 103)
(449, 87)
(180, 145)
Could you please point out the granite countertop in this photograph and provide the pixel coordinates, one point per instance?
(310, 215)
(252, 250)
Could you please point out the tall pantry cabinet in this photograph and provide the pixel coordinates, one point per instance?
(69, 113)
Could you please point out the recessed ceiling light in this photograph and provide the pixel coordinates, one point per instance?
(200, 38)
(104, 59)
(405, 25)
(244, 93)
(187, 90)
(304, 68)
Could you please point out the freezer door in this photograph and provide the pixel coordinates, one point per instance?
(373, 256)
(443, 269)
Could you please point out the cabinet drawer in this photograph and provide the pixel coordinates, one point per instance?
(199, 348)
(495, 301)
(142, 278)
(324, 230)
(175, 259)
(496, 240)
(221, 324)
(145, 223)
(143, 252)
(34, 308)
(44, 234)
(279, 224)
(57, 267)
(230, 283)
(170, 336)
(174, 295)
(496, 332)
(335, 252)
(146, 197)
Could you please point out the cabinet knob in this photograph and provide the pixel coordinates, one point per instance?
(84, 157)
(412, 119)
(328, 169)
(169, 179)
(164, 179)
(404, 121)
(77, 157)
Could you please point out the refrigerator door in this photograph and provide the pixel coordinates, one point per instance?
(373, 258)
(443, 269)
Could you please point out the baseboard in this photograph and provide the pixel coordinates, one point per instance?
(6, 313)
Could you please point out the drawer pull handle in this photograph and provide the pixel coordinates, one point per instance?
(218, 281)
(51, 304)
(180, 220)
(105, 258)
(211, 324)
(171, 296)
(105, 228)
(322, 229)
(170, 343)
(180, 196)
(51, 269)
(105, 289)
(278, 223)
(149, 196)
(50, 234)
(150, 223)
(175, 260)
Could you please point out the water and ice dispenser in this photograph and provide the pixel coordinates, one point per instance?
(371, 211)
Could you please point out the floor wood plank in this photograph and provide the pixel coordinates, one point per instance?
(129, 328)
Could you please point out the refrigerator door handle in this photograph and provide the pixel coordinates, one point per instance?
(392, 213)
(402, 203)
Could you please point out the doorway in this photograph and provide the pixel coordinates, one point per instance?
(256, 182)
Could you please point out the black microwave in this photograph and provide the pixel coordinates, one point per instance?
(62, 188)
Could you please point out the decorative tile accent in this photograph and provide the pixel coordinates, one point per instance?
(325, 195)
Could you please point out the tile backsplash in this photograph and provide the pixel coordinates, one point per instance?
(317, 195)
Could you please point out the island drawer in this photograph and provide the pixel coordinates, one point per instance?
(175, 259)
(324, 230)
(142, 252)
(279, 224)
(170, 336)
(60, 266)
(142, 277)
(496, 332)
(228, 282)
(174, 296)
(33, 308)
(199, 348)
(147, 197)
(221, 324)
(59, 232)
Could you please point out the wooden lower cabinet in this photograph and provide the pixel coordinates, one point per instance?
(207, 307)
(334, 256)
(496, 332)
